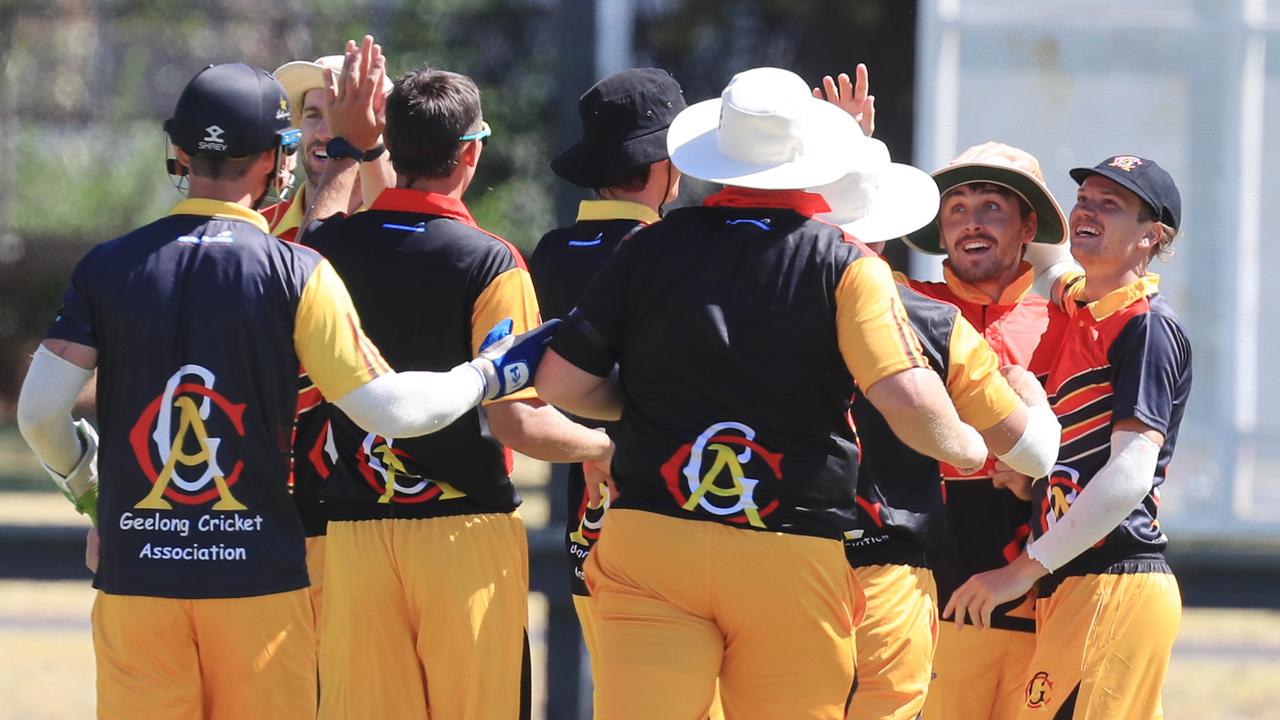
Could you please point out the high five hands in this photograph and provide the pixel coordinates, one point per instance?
(357, 105)
(851, 96)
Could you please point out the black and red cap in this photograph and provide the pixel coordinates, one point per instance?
(1144, 178)
(231, 110)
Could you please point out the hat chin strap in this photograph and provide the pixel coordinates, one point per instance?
(666, 193)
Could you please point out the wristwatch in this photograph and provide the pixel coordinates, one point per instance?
(338, 148)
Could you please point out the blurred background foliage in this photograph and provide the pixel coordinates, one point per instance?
(86, 84)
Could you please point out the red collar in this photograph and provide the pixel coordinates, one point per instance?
(806, 203)
(423, 203)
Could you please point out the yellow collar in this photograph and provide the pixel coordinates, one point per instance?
(292, 217)
(616, 210)
(219, 208)
(1123, 297)
(1012, 295)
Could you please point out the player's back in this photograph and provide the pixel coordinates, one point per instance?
(425, 280)
(193, 320)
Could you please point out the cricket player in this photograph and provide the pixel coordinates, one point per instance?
(994, 208)
(304, 83)
(622, 157)
(1108, 607)
(739, 329)
(427, 562)
(900, 510)
(196, 324)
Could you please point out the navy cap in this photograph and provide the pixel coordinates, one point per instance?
(1143, 178)
(230, 110)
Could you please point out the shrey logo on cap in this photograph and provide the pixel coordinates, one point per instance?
(1125, 162)
(213, 139)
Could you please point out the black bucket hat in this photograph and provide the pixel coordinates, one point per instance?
(624, 124)
(1144, 178)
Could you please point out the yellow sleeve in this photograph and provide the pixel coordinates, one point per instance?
(1068, 289)
(327, 337)
(980, 393)
(510, 295)
(875, 337)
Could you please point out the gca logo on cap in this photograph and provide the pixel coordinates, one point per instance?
(213, 139)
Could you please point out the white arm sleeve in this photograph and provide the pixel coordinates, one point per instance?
(44, 409)
(1050, 263)
(409, 404)
(1108, 498)
(1037, 448)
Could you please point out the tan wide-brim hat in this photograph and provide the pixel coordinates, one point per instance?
(766, 131)
(882, 203)
(1008, 167)
(302, 76)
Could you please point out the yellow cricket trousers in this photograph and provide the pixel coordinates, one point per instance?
(425, 618)
(251, 658)
(1103, 644)
(895, 642)
(682, 602)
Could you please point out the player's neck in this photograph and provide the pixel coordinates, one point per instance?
(238, 191)
(1099, 281)
(452, 186)
(645, 196)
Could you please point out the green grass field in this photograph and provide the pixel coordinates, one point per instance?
(1224, 666)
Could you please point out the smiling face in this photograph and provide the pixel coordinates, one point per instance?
(315, 134)
(1110, 227)
(983, 229)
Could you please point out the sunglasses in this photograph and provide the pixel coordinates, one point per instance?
(484, 132)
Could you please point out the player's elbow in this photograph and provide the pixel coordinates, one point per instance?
(1036, 450)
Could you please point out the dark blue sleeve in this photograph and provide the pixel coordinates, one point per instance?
(74, 322)
(592, 334)
(1150, 371)
(321, 233)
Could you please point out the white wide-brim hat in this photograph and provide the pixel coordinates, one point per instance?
(302, 76)
(883, 202)
(766, 131)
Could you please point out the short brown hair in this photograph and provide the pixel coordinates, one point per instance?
(427, 111)
(633, 179)
(1163, 249)
(221, 167)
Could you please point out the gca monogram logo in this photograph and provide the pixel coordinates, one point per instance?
(1061, 490)
(383, 467)
(1038, 690)
(189, 446)
(732, 497)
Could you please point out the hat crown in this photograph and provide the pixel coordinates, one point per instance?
(762, 118)
(852, 196)
(1002, 155)
(1145, 178)
(231, 110)
(630, 104)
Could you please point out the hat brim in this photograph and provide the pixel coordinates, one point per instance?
(593, 165)
(832, 143)
(1051, 223)
(906, 200)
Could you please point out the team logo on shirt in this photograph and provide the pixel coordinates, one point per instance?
(1038, 690)
(711, 474)
(174, 430)
(383, 467)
